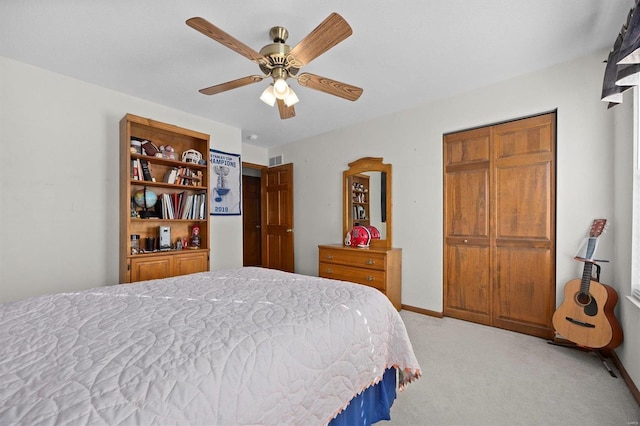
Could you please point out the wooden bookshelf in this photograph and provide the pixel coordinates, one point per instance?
(141, 264)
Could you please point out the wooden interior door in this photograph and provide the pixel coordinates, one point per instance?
(251, 221)
(524, 287)
(499, 225)
(277, 244)
(467, 285)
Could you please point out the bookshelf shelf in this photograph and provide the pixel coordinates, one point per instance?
(179, 207)
(167, 161)
(142, 183)
(159, 220)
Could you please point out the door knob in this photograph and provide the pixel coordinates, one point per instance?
(289, 229)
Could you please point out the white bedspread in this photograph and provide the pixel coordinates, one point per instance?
(242, 346)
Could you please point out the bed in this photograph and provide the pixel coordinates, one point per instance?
(239, 346)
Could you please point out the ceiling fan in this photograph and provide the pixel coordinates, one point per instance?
(281, 62)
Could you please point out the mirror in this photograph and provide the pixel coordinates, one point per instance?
(367, 198)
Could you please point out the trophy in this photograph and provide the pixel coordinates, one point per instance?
(221, 187)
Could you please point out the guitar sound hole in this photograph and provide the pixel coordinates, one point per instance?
(583, 299)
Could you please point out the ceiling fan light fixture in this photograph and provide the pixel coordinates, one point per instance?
(279, 62)
(291, 98)
(280, 88)
(268, 97)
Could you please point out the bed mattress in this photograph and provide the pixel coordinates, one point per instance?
(241, 346)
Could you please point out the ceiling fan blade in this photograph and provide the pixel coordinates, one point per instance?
(285, 111)
(332, 87)
(234, 84)
(210, 30)
(330, 32)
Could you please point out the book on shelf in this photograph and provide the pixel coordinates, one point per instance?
(134, 170)
(188, 177)
(187, 206)
(196, 207)
(203, 206)
(173, 197)
(146, 172)
(167, 207)
(149, 148)
(170, 176)
(163, 203)
(153, 179)
(178, 203)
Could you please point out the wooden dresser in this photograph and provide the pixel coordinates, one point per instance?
(380, 268)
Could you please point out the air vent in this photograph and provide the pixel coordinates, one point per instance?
(275, 161)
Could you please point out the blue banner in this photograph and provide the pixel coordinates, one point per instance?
(226, 178)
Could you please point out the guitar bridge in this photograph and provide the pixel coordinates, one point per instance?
(580, 323)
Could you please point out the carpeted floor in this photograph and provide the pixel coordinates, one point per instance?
(479, 375)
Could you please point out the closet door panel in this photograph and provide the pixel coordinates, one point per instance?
(470, 147)
(522, 291)
(524, 250)
(523, 203)
(467, 292)
(523, 137)
(467, 265)
(468, 203)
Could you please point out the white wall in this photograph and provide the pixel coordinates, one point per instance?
(59, 181)
(254, 154)
(412, 142)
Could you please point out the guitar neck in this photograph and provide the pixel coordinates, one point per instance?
(588, 266)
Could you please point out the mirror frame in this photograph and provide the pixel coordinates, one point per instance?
(363, 165)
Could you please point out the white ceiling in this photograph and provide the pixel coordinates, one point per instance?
(402, 53)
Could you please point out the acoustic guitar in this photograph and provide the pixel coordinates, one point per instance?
(586, 315)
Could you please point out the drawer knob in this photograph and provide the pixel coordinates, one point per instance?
(329, 271)
(369, 278)
(370, 262)
(329, 256)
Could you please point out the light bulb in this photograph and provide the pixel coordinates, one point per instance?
(291, 98)
(268, 97)
(280, 88)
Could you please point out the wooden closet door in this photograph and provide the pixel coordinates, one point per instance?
(467, 289)
(523, 194)
(499, 225)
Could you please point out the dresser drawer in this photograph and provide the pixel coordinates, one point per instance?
(369, 277)
(353, 257)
